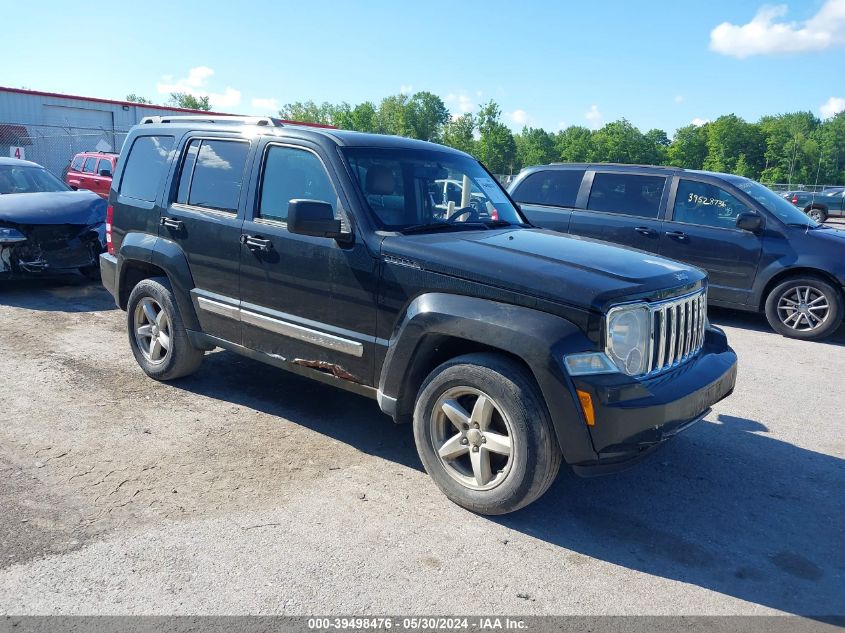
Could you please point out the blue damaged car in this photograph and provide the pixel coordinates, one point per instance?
(45, 226)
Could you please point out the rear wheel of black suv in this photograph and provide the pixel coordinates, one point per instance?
(156, 333)
(804, 307)
(484, 434)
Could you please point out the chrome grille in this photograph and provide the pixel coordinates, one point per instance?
(677, 331)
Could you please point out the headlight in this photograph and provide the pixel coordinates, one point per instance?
(628, 336)
(11, 236)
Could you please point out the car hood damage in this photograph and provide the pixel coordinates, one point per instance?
(50, 232)
(573, 270)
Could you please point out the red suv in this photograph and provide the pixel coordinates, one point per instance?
(92, 171)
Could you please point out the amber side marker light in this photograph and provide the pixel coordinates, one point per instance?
(587, 406)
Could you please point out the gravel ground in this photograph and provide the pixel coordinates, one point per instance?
(244, 489)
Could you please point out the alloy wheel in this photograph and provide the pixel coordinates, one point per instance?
(803, 308)
(472, 437)
(152, 330)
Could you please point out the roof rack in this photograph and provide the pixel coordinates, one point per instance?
(603, 164)
(240, 120)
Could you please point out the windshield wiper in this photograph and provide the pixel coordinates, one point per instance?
(440, 226)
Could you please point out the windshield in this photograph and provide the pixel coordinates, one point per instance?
(26, 179)
(786, 211)
(421, 190)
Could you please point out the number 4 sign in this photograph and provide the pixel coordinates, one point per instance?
(17, 152)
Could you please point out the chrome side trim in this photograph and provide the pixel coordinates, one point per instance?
(298, 332)
(215, 307)
(291, 330)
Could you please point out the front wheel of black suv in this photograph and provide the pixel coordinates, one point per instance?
(806, 308)
(156, 333)
(484, 434)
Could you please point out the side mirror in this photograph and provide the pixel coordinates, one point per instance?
(106, 173)
(313, 217)
(749, 222)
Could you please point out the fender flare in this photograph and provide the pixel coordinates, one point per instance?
(803, 266)
(169, 257)
(539, 339)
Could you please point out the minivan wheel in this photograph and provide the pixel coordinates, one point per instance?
(818, 214)
(484, 434)
(804, 307)
(156, 333)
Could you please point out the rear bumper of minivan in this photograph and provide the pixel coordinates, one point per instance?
(632, 417)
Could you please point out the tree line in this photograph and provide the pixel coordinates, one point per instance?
(795, 147)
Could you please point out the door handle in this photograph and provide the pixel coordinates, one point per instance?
(677, 235)
(172, 223)
(256, 243)
(644, 230)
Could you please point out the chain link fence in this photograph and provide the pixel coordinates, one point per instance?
(54, 146)
(780, 187)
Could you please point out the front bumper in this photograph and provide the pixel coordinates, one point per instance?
(634, 416)
(51, 249)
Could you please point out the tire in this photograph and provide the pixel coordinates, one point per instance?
(819, 214)
(174, 356)
(795, 306)
(519, 415)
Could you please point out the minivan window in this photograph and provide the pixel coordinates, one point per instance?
(218, 175)
(145, 167)
(786, 212)
(628, 194)
(88, 168)
(291, 174)
(553, 187)
(76, 164)
(105, 163)
(706, 204)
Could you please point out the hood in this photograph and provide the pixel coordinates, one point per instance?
(566, 269)
(59, 207)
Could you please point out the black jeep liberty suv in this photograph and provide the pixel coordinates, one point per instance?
(342, 257)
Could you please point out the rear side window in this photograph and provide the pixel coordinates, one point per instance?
(88, 167)
(105, 163)
(291, 174)
(555, 187)
(146, 166)
(218, 173)
(627, 194)
(76, 165)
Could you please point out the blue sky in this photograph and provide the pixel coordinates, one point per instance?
(547, 63)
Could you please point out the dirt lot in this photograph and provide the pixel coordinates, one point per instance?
(244, 489)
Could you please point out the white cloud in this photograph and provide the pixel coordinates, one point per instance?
(594, 117)
(562, 125)
(406, 89)
(763, 35)
(832, 107)
(697, 122)
(679, 98)
(519, 117)
(265, 105)
(460, 103)
(196, 84)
